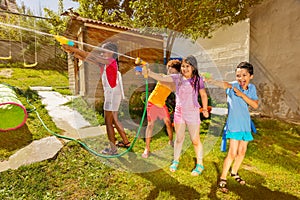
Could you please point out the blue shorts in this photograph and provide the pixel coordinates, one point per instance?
(245, 136)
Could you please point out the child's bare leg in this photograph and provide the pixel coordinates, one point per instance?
(169, 128)
(108, 116)
(119, 127)
(149, 130)
(241, 151)
(232, 152)
(180, 133)
(195, 138)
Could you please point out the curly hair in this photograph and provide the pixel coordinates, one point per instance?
(176, 64)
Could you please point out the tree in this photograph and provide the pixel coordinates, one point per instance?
(58, 23)
(104, 10)
(60, 6)
(187, 18)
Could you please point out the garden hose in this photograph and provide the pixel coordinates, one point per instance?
(85, 146)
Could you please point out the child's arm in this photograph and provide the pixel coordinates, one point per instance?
(94, 58)
(204, 100)
(222, 84)
(156, 76)
(249, 101)
(77, 52)
(86, 56)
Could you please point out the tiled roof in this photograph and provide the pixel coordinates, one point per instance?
(75, 16)
(86, 20)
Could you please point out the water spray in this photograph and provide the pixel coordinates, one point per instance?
(138, 61)
(61, 39)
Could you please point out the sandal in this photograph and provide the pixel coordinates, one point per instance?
(238, 178)
(173, 167)
(122, 144)
(197, 170)
(109, 151)
(146, 154)
(223, 185)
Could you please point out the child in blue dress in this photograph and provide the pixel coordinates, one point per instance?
(240, 95)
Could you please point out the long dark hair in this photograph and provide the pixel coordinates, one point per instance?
(113, 48)
(191, 60)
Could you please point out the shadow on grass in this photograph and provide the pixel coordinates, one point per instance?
(161, 181)
(278, 146)
(257, 190)
(16, 139)
(254, 188)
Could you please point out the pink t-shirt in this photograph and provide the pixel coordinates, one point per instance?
(186, 95)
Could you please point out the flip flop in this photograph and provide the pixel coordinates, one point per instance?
(109, 151)
(123, 145)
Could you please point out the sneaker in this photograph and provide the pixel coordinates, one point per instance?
(109, 151)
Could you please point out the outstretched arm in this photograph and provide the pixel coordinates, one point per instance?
(222, 84)
(156, 76)
(86, 56)
(80, 54)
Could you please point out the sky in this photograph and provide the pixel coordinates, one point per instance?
(37, 5)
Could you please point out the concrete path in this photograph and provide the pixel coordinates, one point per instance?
(219, 111)
(73, 124)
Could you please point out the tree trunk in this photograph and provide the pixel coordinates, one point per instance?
(170, 42)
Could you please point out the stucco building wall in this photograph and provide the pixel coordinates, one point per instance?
(270, 40)
(222, 53)
(274, 50)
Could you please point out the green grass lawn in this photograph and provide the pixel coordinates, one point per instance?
(23, 78)
(271, 166)
(271, 169)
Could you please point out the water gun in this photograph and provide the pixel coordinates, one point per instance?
(224, 141)
(138, 69)
(63, 40)
(206, 75)
(142, 65)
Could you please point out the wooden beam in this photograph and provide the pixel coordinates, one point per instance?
(122, 32)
